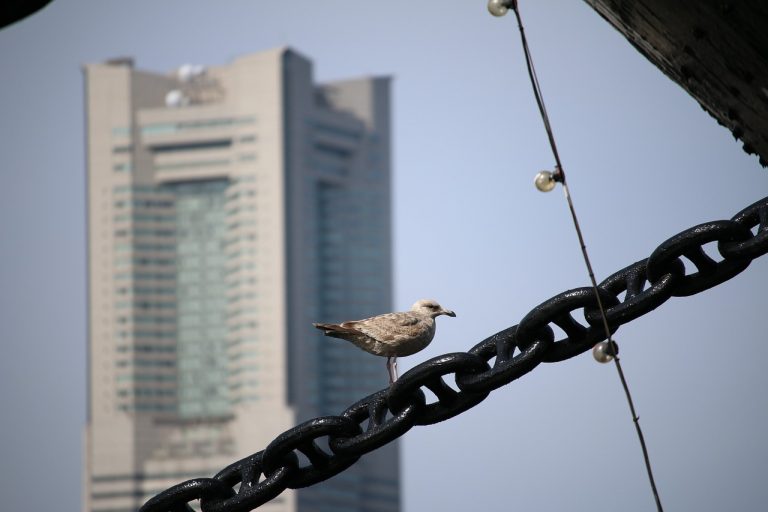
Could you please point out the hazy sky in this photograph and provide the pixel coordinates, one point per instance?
(644, 162)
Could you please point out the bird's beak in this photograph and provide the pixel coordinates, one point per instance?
(449, 312)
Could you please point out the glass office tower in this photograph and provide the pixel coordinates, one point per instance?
(228, 208)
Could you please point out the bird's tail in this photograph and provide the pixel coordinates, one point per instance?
(335, 330)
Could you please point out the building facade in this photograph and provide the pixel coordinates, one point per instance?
(229, 208)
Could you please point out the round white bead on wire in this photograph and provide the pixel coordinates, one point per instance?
(603, 353)
(498, 7)
(545, 181)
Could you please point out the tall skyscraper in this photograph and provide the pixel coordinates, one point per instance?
(228, 208)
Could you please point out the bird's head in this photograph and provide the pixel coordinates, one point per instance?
(431, 308)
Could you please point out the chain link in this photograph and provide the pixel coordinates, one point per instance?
(430, 374)
(690, 243)
(557, 310)
(390, 413)
(252, 493)
(383, 427)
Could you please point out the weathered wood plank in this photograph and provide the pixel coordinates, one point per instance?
(717, 50)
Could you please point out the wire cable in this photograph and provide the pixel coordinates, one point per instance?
(559, 175)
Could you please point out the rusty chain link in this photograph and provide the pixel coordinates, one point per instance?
(390, 413)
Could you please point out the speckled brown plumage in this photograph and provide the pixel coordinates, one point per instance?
(391, 334)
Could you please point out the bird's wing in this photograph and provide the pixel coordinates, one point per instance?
(388, 327)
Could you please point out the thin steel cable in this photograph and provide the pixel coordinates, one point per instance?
(560, 176)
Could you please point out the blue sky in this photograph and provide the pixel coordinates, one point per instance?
(644, 162)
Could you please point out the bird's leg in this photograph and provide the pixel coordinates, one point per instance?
(392, 368)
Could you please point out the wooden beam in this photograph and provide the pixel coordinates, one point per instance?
(717, 50)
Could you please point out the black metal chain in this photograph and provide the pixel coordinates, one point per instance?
(390, 413)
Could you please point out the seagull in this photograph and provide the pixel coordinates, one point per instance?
(391, 334)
